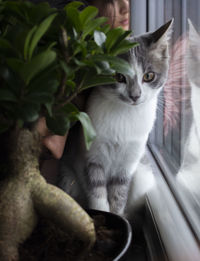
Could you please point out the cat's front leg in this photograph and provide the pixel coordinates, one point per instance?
(118, 188)
(96, 189)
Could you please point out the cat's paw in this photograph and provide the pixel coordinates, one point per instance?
(99, 204)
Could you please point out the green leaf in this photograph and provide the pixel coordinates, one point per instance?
(120, 65)
(11, 80)
(38, 64)
(71, 84)
(103, 67)
(93, 25)
(116, 63)
(105, 28)
(27, 41)
(119, 39)
(6, 49)
(7, 95)
(51, 45)
(49, 108)
(88, 14)
(81, 63)
(88, 129)
(39, 32)
(74, 18)
(93, 48)
(96, 80)
(69, 70)
(122, 47)
(46, 81)
(39, 97)
(16, 34)
(14, 8)
(28, 112)
(99, 38)
(114, 37)
(16, 65)
(37, 12)
(58, 124)
(69, 108)
(74, 4)
(28, 70)
(61, 123)
(80, 47)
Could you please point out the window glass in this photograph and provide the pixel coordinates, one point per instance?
(175, 139)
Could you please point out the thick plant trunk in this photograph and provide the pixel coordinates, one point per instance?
(25, 195)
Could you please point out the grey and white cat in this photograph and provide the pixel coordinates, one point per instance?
(123, 115)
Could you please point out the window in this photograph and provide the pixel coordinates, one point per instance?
(174, 144)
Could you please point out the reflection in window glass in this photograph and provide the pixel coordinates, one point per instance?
(189, 173)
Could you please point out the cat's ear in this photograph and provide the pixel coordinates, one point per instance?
(164, 33)
(159, 40)
(193, 53)
(194, 37)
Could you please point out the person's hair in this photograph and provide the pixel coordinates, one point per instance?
(104, 2)
(103, 8)
(58, 3)
(61, 4)
(86, 2)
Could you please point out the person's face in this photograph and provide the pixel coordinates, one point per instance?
(121, 15)
(118, 15)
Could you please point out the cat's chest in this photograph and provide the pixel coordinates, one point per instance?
(121, 122)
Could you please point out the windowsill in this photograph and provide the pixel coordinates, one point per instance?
(160, 230)
(167, 233)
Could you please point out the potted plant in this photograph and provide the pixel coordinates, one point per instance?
(47, 57)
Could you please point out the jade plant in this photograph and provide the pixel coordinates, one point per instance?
(47, 57)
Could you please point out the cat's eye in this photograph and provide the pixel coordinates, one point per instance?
(148, 77)
(120, 77)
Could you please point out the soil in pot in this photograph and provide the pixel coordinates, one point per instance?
(48, 243)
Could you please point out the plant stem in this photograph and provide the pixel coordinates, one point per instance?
(24, 194)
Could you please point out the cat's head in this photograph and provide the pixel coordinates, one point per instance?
(150, 62)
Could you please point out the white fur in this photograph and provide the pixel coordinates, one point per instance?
(128, 122)
(99, 201)
(143, 182)
(123, 124)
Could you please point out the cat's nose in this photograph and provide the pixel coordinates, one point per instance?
(135, 98)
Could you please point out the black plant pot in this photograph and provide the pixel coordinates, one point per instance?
(117, 223)
(48, 243)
